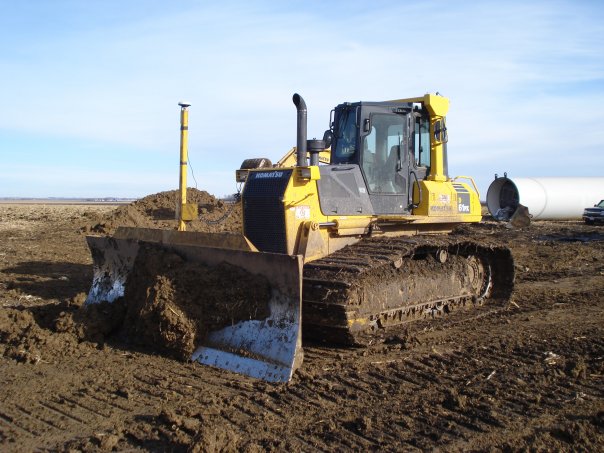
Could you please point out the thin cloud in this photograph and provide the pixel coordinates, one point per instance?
(516, 74)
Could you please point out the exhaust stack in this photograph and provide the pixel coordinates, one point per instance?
(301, 130)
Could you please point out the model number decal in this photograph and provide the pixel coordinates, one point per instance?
(463, 203)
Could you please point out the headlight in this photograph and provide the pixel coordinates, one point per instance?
(241, 175)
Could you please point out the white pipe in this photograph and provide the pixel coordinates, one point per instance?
(546, 198)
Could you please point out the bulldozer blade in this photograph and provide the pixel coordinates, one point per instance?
(268, 349)
(233, 241)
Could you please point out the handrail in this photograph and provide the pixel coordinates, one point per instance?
(471, 180)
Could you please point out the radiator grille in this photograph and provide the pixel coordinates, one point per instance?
(263, 212)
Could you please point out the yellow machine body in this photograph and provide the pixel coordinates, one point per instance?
(439, 202)
(313, 234)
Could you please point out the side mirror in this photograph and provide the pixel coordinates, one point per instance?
(440, 131)
(328, 138)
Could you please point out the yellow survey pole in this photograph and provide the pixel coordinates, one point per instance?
(184, 142)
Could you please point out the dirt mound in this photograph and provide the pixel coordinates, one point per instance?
(14, 343)
(172, 304)
(159, 211)
(47, 332)
(169, 306)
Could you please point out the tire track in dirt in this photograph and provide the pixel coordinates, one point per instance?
(317, 398)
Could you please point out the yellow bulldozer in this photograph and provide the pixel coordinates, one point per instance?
(348, 232)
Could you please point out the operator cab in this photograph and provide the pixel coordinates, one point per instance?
(390, 143)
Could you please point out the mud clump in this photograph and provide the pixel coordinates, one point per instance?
(28, 335)
(92, 322)
(453, 400)
(159, 211)
(172, 303)
(216, 438)
(577, 368)
(20, 336)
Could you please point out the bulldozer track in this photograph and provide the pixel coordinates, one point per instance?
(350, 295)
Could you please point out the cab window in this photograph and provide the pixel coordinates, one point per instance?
(346, 137)
(421, 142)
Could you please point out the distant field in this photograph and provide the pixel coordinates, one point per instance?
(66, 201)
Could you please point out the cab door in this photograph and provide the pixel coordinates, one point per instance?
(385, 159)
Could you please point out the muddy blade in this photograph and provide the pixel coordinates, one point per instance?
(268, 348)
(112, 261)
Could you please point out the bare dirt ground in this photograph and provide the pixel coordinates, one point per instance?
(525, 376)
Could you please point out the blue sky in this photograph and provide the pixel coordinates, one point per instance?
(89, 89)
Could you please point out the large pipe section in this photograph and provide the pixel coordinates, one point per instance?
(547, 198)
(301, 130)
